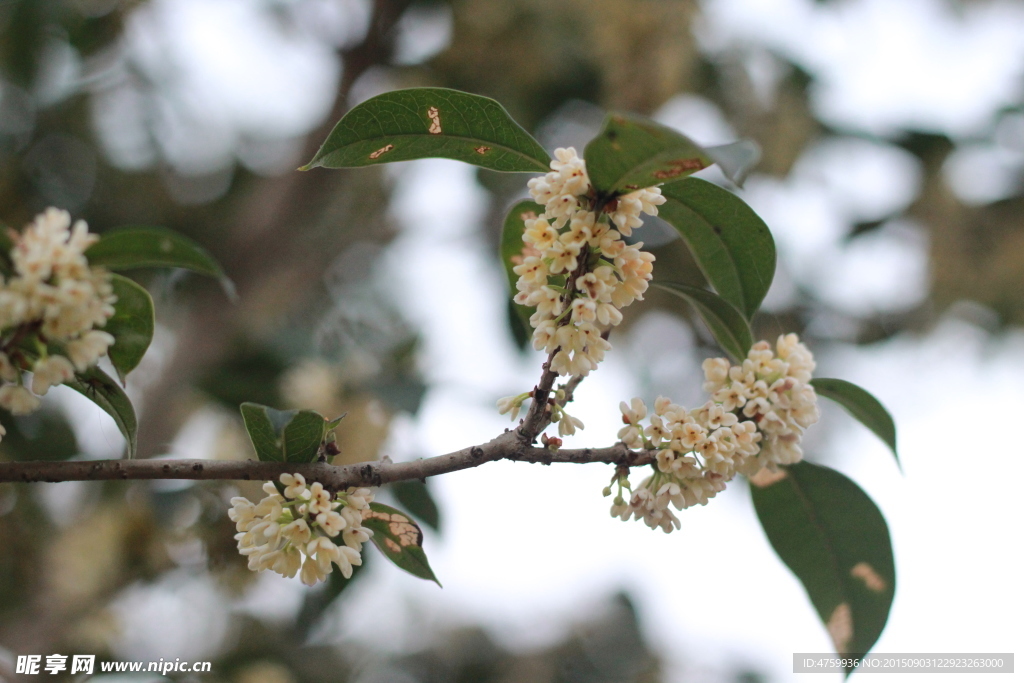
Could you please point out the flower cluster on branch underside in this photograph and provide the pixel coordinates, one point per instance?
(755, 419)
(50, 306)
(577, 272)
(297, 529)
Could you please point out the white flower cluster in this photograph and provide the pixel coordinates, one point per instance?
(575, 264)
(756, 417)
(55, 297)
(303, 521)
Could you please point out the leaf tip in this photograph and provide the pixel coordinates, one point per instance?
(736, 159)
(227, 285)
(840, 627)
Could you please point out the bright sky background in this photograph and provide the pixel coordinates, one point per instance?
(529, 550)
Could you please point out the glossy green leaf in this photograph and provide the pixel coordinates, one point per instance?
(149, 247)
(632, 152)
(400, 539)
(284, 435)
(512, 248)
(728, 326)
(262, 432)
(519, 330)
(731, 244)
(835, 539)
(303, 435)
(431, 122)
(415, 496)
(867, 409)
(102, 390)
(131, 325)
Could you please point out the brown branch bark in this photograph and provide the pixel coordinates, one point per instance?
(507, 446)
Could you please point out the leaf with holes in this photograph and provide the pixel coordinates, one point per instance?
(149, 247)
(727, 325)
(284, 435)
(399, 538)
(512, 249)
(867, 409)
(835, 539)
(431, 122)
(131, 325)
(731, 244)
(102, 390)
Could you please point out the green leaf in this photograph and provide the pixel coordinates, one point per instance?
(520, 331)
(261, 432)
(43, 435)
(431, 122)
(632, 152)
(512, 247)
(149, 247)
(867, 409)
(6, 245)
(400, 539)
(415, 496)
(284, 435)
(834, 538)
(99, 388)
(131, 325)
(303, 435)
(731, 244)
(728, 326)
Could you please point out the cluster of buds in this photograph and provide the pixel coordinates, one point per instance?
(51, 302)
(755, 419)
(574, 269)
(567, 424)
(296, 528)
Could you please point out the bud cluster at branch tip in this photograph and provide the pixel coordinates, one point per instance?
(296, 529)
(51, 303)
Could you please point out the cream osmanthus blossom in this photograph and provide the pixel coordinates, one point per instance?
(53, 296)
(576, 271)
(296, 530)
(755, 419)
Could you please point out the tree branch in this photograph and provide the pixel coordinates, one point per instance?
(507, 446)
